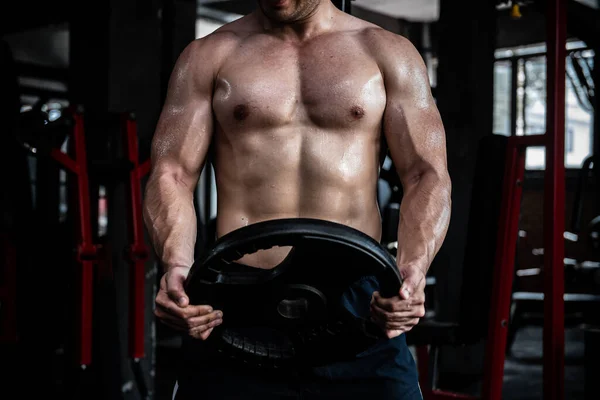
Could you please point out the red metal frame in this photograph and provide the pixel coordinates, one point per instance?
(86, 250)
(554, 220)
(504, 268)
(554, 204)
(8, 291)
(137, 253)
(554, 216)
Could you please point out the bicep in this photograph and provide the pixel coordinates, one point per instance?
(416, 139)
(412, 124)
(184, 129)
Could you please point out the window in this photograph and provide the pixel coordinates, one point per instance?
(529, 92)
(502, 98)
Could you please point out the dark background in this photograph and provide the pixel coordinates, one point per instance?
(115, 56)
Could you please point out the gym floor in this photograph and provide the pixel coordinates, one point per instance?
(524, 367)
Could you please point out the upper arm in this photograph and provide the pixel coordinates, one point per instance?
(412, 124)
(184, 129)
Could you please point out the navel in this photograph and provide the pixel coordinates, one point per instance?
(357, 112)
(241, 112)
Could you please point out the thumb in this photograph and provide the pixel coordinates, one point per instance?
(175, 289)
(408, 288)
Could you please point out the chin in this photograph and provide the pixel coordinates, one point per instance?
(280, 10)
(281, 17)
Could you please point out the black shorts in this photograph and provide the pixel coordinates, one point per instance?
(387, 370)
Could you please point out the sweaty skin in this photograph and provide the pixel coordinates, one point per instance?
(295, 99)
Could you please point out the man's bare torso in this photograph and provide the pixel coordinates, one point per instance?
(297, 129)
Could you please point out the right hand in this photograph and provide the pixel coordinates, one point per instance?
(174, 310)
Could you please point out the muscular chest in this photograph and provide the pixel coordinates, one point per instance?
(269, 86)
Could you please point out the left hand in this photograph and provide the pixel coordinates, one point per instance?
(399, 314)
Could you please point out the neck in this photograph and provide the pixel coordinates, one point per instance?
(318, 21)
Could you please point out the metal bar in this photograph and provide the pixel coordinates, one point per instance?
(540, 54)
(137, 252)
(83, 187)
(554, 202)
(503, 270)
(87, 250)
(529, 141)
(65, 161)
(524, 107)
(347, 6)
(144, 168)
(87, 253)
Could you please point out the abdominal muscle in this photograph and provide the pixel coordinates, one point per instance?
(268, 175)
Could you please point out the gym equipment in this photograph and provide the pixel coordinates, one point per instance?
(87, 253)
(588, 165)
(137, 253)
(553, 141)
(90, 253)
(579, 307)
(293, 312)
(503, 270)
(471, 325)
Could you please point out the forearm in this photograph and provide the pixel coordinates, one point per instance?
(424, 219)
(170, 218)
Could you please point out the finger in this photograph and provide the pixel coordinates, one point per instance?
(409, 312)
(409, 327)
(165, 303)
(206, 334)
(387, 315)
(187, 323)
(199, 311)
(379, 313)
(178, 322)
(196, 331)
(174, 285)
(407, 323)
(396, 304)
(202, 332)
(385, 303)
(387, 320)
(204, 319)
(391, 319)
(411, 285)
